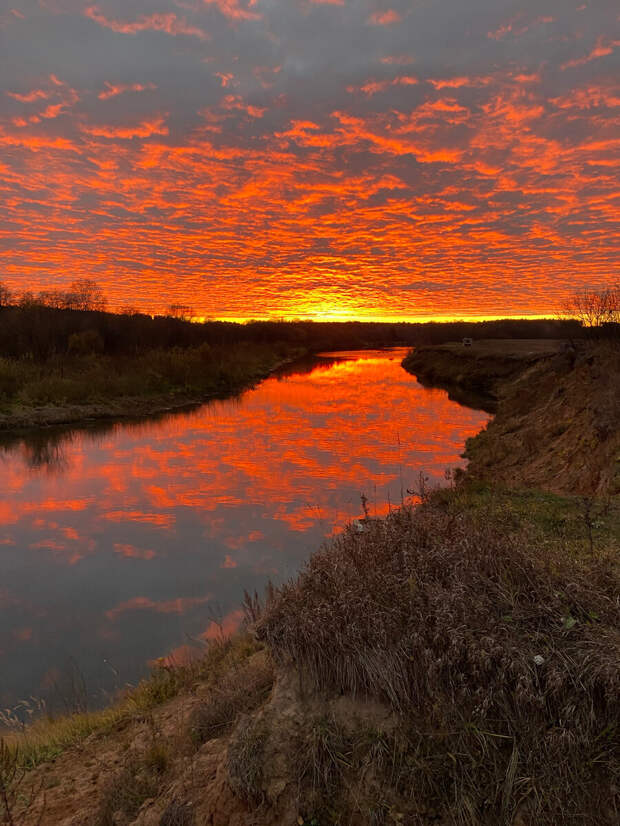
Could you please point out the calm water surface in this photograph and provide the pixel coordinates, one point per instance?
(124, 544)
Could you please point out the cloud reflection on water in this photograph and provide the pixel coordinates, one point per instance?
(117, 541)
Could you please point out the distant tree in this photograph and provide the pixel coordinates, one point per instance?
(27, 299)
(85, 294)
(5, 295)
(594, 308)
(182, 311)
(52, 298)
(88, 341)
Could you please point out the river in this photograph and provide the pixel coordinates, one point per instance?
(127, 542)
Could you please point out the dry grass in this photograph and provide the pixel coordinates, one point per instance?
(239, 691)
(177, 814)
(499, 651)
(48, 737)
(140, 777)
(245, 761)
(17, 792)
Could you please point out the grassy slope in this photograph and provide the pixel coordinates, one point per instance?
(557, 426)
(434, 616)
(100, 767)
(440, 613)
(67, 389)
(473, 375)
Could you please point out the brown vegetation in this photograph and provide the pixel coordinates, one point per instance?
(452, 664)
(77, 386)
(474, 375)
(499, 655)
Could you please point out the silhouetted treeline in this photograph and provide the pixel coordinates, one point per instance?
(39, 331)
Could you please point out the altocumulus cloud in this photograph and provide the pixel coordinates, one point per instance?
(292, 157)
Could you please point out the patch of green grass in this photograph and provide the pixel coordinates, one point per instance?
(575, 523)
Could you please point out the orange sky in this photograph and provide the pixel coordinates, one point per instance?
(322, 158)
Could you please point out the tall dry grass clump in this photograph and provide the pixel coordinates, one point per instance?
(500, 654)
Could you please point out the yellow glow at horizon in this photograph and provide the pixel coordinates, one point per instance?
(344, 316)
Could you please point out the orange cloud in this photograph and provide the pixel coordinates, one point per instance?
(233, 9)
(158, 520)
(372, 87)
(224, 628)
(132, 552)
(226, 79)
(517, 29)
(603, 48)
(384, 18)
(234, 102)
(466, 181)
(144, 129)
(29, 97)
(173, 606)
(459, 82)
(228, 562)
(166, 23)
(398, 60)
(114, 89)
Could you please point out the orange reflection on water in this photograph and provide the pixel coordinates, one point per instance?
(138, 534)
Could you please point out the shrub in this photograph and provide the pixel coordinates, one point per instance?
(240, 690)
(10, 379)
(82, 344)
(177, 814)
(245, 761)
(139, 778)
(490, 645)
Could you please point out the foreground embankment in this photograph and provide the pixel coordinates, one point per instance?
(557, 411)
(452, 663)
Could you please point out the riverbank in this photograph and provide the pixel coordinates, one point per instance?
(62, 365)
(474, 375)
(453, 663)
(450, 663)
(557, 411)
(80, 390)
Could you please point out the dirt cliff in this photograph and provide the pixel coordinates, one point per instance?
(557, 411)
(473, 375)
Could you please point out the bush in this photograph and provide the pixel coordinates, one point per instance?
(82, 344)
(240, 690)
(10, 379)
(491, 646)
(139, 778)
(245, 761)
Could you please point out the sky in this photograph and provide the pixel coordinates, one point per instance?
(312, 158)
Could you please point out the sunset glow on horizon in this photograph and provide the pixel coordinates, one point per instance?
(312, 159)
